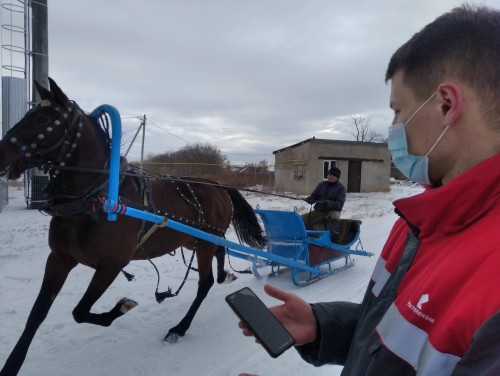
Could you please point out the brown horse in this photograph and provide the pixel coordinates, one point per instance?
(57, 135)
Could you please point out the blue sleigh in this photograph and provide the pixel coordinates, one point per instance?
(291, 246)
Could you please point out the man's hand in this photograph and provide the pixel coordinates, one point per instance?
(324, 205)
(310, 200)
(295, 314)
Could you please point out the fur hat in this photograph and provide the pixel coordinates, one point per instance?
(334, 171)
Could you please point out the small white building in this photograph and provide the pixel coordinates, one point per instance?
(365, 166)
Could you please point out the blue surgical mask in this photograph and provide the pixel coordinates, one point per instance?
(415, 168)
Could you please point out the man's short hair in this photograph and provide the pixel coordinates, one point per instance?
(464, 44)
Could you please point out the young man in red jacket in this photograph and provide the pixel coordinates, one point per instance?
(432, 306)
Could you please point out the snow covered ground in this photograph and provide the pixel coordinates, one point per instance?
(132, 345)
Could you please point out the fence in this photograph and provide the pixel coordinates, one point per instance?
(4, 195)
(234, 175)
(25, 193)
(15, 198)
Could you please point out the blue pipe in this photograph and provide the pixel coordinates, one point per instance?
(158, 219)
(239, 247)
(114, 163)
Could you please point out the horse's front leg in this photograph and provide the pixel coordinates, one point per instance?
(102, 279)
(205, 282)
(223, 276)
(56, 272)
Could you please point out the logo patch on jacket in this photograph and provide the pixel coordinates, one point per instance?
(417, 310)
(423, 299)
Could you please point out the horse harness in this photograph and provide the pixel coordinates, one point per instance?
(92, 198)
(147, 229)
(72, 117)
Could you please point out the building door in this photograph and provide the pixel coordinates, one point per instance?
(354, 177)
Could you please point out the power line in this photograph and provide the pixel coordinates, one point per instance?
(170, 133)
(190, 143)
(251, 154)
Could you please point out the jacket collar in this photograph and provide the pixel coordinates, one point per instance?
(454, 206)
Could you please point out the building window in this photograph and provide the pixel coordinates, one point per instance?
(299, 171)
(327, 165)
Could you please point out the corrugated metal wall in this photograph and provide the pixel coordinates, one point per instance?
(14, 106)
(14, 101)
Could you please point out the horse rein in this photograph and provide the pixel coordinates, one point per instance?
(151, 175)
(33, 155)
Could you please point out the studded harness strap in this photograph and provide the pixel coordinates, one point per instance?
(31, 150)
(71, 118)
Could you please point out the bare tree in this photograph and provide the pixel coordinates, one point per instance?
(376, 137)
(363, 133)
(263, 165)
(193, 159)
(258, 168)
(362, 127)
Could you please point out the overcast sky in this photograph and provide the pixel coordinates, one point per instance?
(249, 77)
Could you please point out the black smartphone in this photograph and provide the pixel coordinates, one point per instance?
(266, 328)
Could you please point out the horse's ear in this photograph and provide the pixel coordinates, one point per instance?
(58, 94)
(44, 93)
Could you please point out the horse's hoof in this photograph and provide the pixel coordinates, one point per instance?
(127, 304)
(172, 337)
(230, 277)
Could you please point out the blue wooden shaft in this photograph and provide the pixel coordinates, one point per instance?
(114, 163)
(113, 207)
(239, 247)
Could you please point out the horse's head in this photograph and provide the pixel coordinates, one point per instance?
(49, 132)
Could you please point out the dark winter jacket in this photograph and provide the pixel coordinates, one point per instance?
(328, 196)
(432, 306)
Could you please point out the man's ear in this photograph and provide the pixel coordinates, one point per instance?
(450, 97)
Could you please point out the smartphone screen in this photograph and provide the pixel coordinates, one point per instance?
(260, 321)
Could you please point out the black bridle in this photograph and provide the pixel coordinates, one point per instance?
(70, 123)
(33, 154)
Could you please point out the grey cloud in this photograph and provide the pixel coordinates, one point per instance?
(250, 76)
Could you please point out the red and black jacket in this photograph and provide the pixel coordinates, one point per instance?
(433, 304)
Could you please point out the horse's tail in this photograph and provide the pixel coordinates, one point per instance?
(245, 221)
